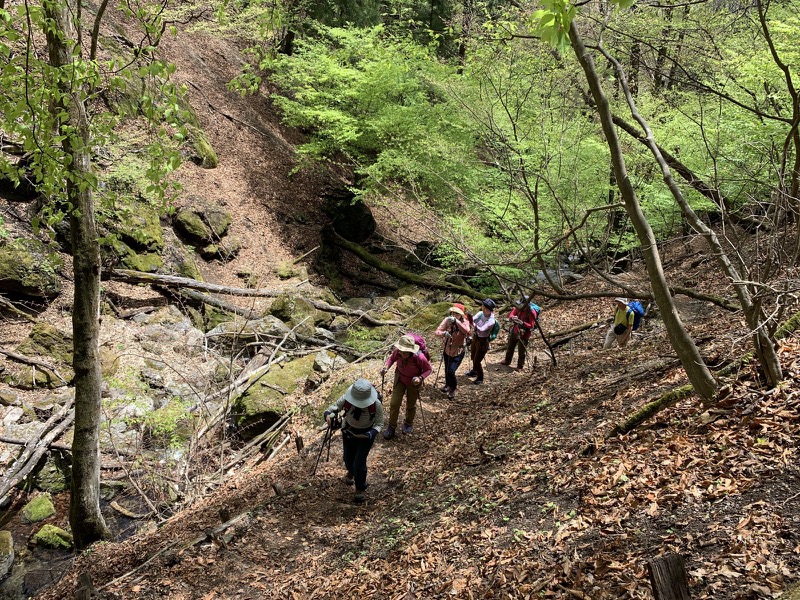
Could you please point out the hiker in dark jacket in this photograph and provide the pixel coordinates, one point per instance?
(361, 423)
(523, 319)
(483, 322)
(411, 370)
(455, 328)
(622, 326)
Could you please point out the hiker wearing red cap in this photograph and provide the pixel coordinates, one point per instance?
(484, 323)
(622, 325)
(454, 329)
(411, 370)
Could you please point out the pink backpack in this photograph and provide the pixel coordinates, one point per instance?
(420, 341)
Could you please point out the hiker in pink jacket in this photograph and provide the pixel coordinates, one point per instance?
(411, 370)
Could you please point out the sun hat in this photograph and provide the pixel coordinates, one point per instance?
(458, 309)
(361, 394)
(489, 303)
(623, 300)
(407, 344)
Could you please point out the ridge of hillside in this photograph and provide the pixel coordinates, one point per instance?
(511, 491)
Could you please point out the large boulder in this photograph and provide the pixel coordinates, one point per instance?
(294, 310)
(54, 537)
(269, 396)
(202, 222)
(38, 509)
(29, 268)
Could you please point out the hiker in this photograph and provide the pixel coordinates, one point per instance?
(411, 370)
(523, 318)
(454, 329)
(361, 423)
(484, 322)
(622, 325)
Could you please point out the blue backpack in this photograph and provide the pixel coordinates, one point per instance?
(638, 313)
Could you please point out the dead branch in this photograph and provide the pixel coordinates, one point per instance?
(28, 360)
(20, 313)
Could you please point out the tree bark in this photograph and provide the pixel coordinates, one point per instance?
(85, 517)
(696, 370)
(668, 577)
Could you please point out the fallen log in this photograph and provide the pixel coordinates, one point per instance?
(51, 445)
(399, 273)
(173, 281)
(35, 449)
(13, 309)
(220, 304)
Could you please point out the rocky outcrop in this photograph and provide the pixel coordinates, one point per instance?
(29, 268)
(6, 553)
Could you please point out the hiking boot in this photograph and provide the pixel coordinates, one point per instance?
(451, 395)
(388, 433)
(478, 381)
(445, 390)
(348, 479)
(360, 496)
(470, 373)
(407, 428)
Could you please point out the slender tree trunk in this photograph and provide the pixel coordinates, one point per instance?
(765, 349)
(698, 373)
(85, 517)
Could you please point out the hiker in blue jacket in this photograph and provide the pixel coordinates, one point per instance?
(622, 326)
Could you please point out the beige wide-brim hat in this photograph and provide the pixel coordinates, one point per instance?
(407, 344)
(621, 301)
(458, 311)
(361, 394)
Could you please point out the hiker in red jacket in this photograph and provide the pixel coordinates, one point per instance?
(523, 320)
(411, 370)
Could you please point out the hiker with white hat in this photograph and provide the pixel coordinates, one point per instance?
(484, 322)
(361, 423)
(411, 370)
(622, 326)
(455, 328)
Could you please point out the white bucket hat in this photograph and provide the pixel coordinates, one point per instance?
(407, 344)
(622, 300)
(361, 394)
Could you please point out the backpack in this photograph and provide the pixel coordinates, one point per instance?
(638, 313)
(420, 341)
(495, 330)
(537, 310)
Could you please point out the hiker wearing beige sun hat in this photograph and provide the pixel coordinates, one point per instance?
(454, 329)
(361, 423)
(622, 325)
(411, 370)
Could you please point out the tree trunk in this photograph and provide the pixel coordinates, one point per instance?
(698, 373)
(85, 517)
(668, 577)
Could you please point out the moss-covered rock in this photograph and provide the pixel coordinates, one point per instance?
(427, 318)
(204, 154)
(27, 377)
(202, 222)
(294, 310)
(54, 476)
(269, 396)
(145, 262)
(38, 509)
(226, 249)
(29, 268)
(47, 341)
(368, 339)
(51, 536)
(6, 553)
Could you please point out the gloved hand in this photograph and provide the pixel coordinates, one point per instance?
(450, 320)
(383, 371)
(447, 334)
(327, 416)
(416, 382)
(372, 433)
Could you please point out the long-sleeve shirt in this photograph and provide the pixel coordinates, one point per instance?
(459, 329)
(528, 319)
(483, 324)
(416, 365)
(365, 420)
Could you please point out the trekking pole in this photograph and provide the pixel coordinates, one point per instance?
(544, 339)
(333, 424)
(444, 351)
